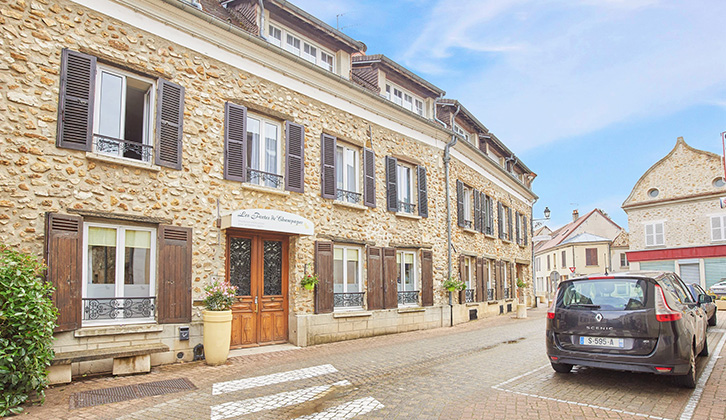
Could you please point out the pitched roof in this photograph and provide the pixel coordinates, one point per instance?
(404, 72)
(584, 237)
(563, 233)
(622, 240)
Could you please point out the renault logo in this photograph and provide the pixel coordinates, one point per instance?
(598, 317)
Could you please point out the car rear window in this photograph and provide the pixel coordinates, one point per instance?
(604, 295)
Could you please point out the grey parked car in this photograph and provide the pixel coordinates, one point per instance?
(709, 306)
(718, 288)
(641, 322)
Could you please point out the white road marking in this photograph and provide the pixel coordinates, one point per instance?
(270, 402)
(346, 411)
(275, 378)
(687, 413)
(498, 387)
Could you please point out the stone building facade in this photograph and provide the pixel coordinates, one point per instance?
(676, 218)
(150, 148)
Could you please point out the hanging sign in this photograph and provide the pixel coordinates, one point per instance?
(268, 220)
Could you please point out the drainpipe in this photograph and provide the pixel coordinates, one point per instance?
(447, 158)
(262, 20)
(531, 243)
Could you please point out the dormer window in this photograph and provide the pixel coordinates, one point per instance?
(300, 47)
(460, 131)
(402, 98)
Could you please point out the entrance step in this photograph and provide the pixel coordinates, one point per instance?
(262, 349)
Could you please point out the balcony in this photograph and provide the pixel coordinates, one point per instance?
(348, 300)
(264, 178)
(404, 207)
(118, 308)
(408, 298)
(122, 148)
(348, 196)
(469, 295)
(490, 294)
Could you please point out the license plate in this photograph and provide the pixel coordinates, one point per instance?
(602, 342)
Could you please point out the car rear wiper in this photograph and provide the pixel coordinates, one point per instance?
(584, 305)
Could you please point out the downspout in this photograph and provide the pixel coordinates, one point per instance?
(447, 159)
(531, 242)
(262, 20)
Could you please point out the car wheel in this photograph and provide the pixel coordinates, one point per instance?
(712, 321)
(689, 379)
(704, 350)
(562, 367)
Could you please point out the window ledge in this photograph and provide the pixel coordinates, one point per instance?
(349, 205)
(472, 304)
(352, 314)
(126, 162)
(408, 216)
(490, 236)
(268, 190)
(492, 302)
(470, 230)
(97, 331)
(411, 309)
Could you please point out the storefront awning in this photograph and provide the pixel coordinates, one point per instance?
(268, 220)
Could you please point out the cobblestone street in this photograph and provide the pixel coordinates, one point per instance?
(491, 368)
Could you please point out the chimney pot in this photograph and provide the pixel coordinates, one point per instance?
(575, 215)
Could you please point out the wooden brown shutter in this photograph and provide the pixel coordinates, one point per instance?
(460, 203)
(501, 281)
(480, 286)
(509, 224)
(328, 185)
(324, 269)
(462, 293)
(427, 278)
(525, 226)
(169, 124)
(486, 278)
(500, 219)
(392, 183)
(75, 104)
(174, 303)
(294, 157)
(423, 195)
(375, 278)
(517, 231)
(590, 256)
(477, 211)
(490, 216)
(235, 142)
(369, 182)
(64, 256)
(390, 277)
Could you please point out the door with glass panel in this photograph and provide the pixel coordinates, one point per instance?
(257, 266)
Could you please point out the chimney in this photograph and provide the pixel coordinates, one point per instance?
(575, 215)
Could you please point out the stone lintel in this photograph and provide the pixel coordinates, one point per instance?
(120, 216)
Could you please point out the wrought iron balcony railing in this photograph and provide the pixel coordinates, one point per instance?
(264, 178)
(122, 148)
(490, 294)
(404, 207)
(506, 293)
(348, 196)
(348, 300)
(118, 308)
(468, 224)
(469, 295)
(408, 297)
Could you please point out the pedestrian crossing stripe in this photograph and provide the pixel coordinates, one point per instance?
(346, 411)
(275, 378)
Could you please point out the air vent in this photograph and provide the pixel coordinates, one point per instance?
(175, 234)
(62, 224)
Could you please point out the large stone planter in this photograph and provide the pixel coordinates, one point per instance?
(521, 310)
(217, 333)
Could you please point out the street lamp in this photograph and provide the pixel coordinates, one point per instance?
(536, 223)
(539, 222)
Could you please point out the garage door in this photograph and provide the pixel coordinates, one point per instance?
(690, 273)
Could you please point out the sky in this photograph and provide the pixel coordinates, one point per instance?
(589, 94)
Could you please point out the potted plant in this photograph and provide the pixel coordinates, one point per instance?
(217, 315)
(453, 284)
(522, 305)
(309, 281)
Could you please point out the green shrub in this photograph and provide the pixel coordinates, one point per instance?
(27, 319)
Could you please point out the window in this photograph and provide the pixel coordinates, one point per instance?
(419, 107)
(347, 167)
(654, 234)
(293, 44)
(119, 263)
(488, 214)
(590, 256)
(718, 228)
(310, 53)
(407, 292)
(490, 279)
(401, 97)
(407, 102)
(548, 263)
(564, 259)
(274, 36)
(405, 188)
(468, 272)
(264, 151)
(719, 182)
(123, 117)
(467, 208)
(554, 260)
(623, 260)
(653, 193)
(461, 132)
(538, 264)
(326, 61)
(347, 277)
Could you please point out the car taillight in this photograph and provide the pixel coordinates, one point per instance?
(551, 309)
(663, 312)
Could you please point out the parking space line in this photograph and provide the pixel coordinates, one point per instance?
(498, 387)
(705, 375)
(275, 378)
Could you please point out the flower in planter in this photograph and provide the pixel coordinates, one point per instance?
(309, 281)
(521, 284)
(453, 284)
(219, 296)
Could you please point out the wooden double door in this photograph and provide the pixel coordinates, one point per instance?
(258, 265)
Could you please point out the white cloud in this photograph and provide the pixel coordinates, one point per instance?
(540, 71)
